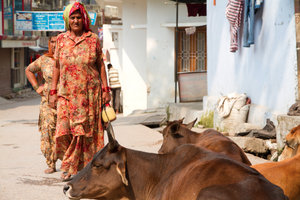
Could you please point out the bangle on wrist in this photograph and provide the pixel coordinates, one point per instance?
(35, 87)
(53, 92)
(106, 89)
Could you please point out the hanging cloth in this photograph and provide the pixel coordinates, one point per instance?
(258, 4)
(250, 8)
(196, 9)
(234, 12)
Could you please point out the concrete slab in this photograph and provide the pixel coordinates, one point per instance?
(188, 111)
(138, 137)
(142, 118)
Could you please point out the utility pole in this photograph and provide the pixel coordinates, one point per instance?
(176, 52)
(297, 22)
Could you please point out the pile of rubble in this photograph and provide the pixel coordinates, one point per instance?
(21, 95)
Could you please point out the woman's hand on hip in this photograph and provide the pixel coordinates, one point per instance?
(40, 90)
(106, 97)
(53, 100)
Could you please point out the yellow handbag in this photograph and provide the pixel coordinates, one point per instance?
(108, 113)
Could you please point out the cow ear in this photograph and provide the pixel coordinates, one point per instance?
(122, 171)
(174, 127)
(174, 130)
(191, 124)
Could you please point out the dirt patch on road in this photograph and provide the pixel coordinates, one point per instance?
(25, 122)
(43, 181)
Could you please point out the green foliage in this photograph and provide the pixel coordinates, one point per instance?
(168, 113)
(207, 119)
(279, 152)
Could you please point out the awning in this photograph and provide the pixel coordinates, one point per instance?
(13, 41)
(38, 48)
(18, 37)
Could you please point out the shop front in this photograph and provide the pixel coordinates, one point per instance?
(14, 60)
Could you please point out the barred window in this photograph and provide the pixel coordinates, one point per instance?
(192, 51)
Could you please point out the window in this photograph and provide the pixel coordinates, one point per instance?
(27, 5)
(18, 5)
(192, 51)
(16, 67)
(8, 17)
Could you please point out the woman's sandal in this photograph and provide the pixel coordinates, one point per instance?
(65, 176)
(49, 170)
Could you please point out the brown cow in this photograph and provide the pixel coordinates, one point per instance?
(292, 144)
(176, 133)
(189, 172)
(286, 173)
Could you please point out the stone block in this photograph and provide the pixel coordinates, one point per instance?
(188, 111)
(285, 124)
(251, 145)
(257, 115)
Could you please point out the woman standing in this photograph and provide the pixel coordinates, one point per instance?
(47, 118)
(82, 89)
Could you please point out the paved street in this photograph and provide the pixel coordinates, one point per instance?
(22, 163)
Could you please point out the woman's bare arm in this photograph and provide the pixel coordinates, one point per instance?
(32, 79)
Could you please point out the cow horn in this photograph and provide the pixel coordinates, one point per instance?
(111, 136)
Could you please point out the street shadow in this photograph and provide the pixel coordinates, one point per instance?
(19, 103)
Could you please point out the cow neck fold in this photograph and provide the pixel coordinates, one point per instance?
(144, 172)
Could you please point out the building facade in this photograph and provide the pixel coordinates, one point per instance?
(267, 70)
(145, 52)
(19, 48)
(13, 47)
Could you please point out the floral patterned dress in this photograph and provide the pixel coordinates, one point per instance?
(47, 117)
(79, 133)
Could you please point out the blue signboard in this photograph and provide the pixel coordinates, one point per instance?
(43, 21)
(8, 13)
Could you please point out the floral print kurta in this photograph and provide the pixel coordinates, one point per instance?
(79, 100)
(47, 117)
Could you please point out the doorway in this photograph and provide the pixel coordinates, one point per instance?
(192, 64)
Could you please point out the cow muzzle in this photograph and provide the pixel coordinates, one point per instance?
(66, 190)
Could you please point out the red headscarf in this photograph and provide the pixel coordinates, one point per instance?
(86, 18)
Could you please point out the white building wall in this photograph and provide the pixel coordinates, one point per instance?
(161, 18)
(134, 56)
(113, 47)
(160, 53)
(267, 71)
